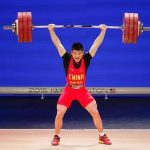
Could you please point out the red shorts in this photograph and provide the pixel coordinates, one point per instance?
(69, 94)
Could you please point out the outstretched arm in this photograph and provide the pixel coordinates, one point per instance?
(55, 40)
(98, 41)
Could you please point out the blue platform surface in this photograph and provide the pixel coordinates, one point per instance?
(38, 63)
(125, 112)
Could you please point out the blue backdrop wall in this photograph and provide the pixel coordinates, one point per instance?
(38, 63)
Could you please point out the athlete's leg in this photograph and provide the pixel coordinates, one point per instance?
(89, 103)
(92, 109)
(61, 109)
(63, 104)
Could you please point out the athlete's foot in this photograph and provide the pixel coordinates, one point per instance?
(56, 140)
(104, 140)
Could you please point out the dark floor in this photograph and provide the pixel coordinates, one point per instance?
(33, 112)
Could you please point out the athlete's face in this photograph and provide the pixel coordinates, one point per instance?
(77, 55)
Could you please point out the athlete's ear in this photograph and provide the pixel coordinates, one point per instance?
(83, 52)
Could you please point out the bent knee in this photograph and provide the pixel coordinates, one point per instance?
(61, 110)
(94, 112)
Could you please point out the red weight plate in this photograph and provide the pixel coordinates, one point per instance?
(131, 28)
(25, 26)
(20, 27)
(136, 28)
(126, 22)
(29, 24)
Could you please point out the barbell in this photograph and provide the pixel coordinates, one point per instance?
(131, 28)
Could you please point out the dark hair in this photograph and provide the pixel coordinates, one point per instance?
(77, 46)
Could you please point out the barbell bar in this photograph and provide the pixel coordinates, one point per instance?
(76, 26)
(131, 28)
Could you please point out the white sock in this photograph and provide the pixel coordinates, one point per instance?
(101, 133)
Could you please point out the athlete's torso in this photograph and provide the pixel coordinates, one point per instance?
(67, 58)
